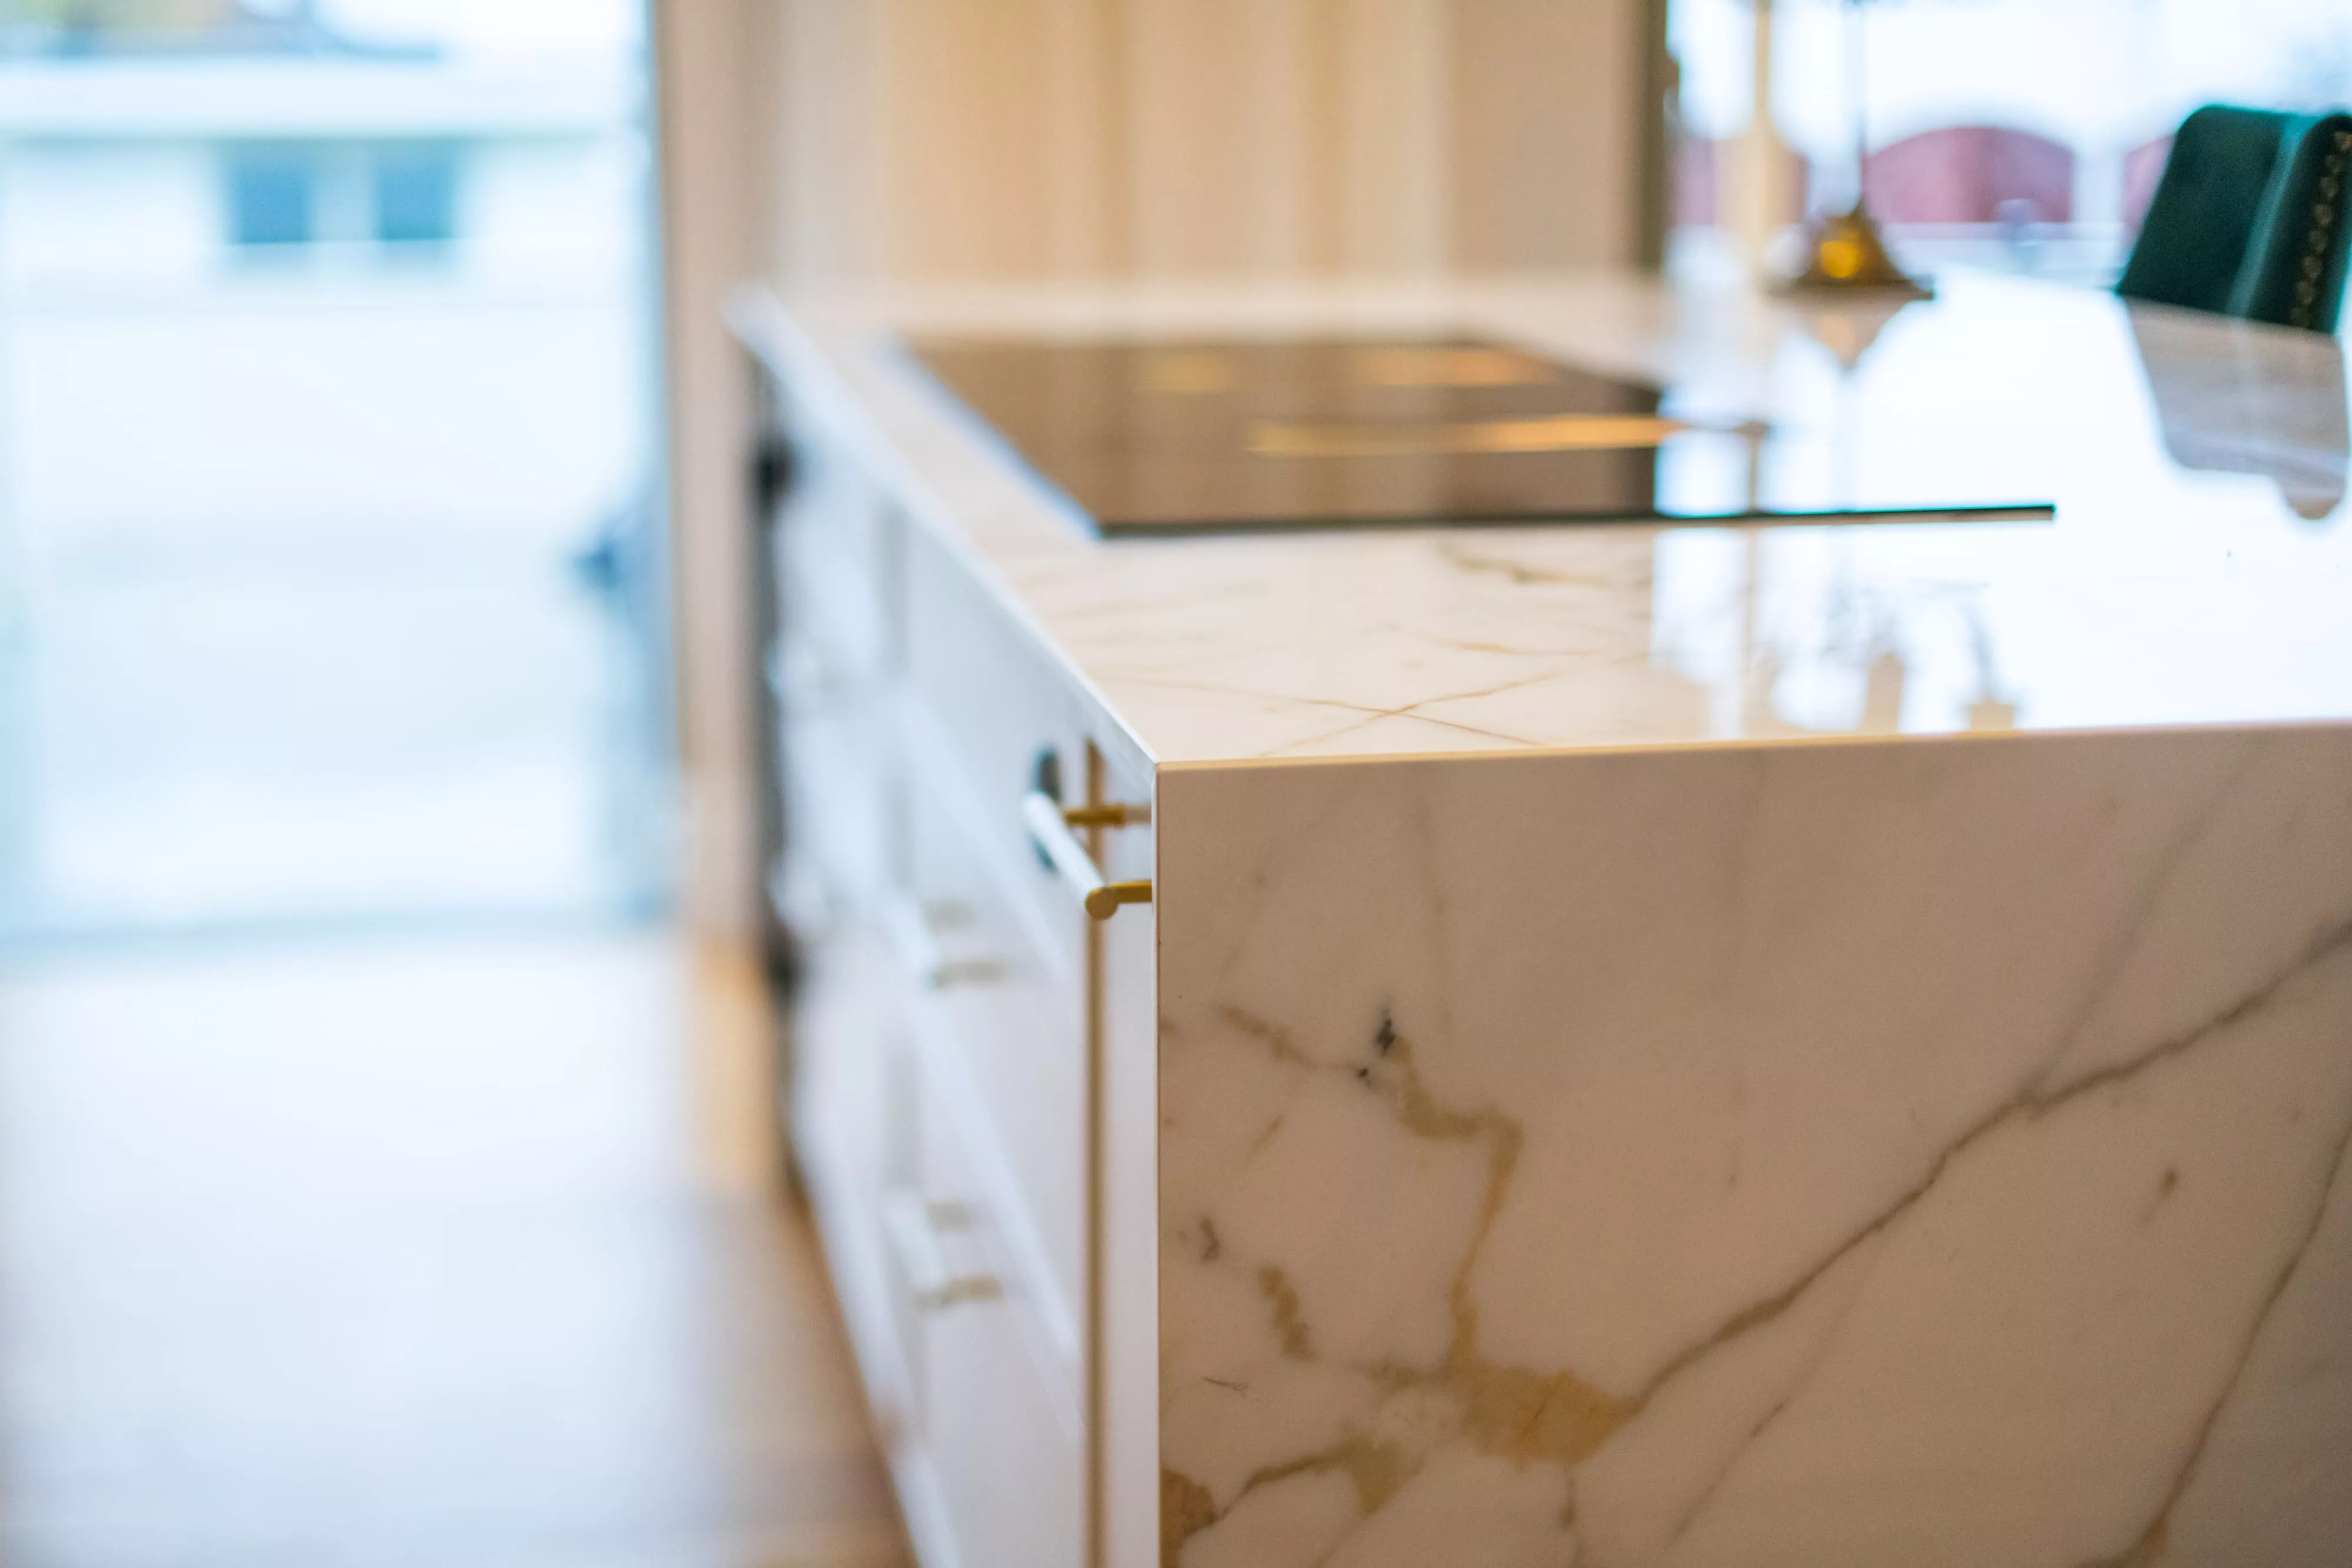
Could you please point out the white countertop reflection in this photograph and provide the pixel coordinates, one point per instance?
(2198, 569)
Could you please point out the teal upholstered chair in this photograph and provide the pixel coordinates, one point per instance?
(2250, 219)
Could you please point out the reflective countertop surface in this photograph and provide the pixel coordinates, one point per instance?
(2197, 568)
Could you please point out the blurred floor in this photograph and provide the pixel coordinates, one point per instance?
(450, 1255)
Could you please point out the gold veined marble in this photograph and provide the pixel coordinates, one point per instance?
(1185, 1509)
(2086, 1162)
(1297, 1343)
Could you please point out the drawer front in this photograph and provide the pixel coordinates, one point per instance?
(831, 672)
(836, 777)
(994, 994)
(854, 1134)
(1001, 1437)
(986, 708)
(834, 551)
(942, 1102)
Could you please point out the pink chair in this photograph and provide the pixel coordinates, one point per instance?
(1972, 174)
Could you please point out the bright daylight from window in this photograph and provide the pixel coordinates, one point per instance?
(328, 542)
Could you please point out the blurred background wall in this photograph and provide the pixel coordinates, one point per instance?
(1048, 139)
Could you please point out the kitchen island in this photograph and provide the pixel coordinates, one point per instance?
(1762, 1043)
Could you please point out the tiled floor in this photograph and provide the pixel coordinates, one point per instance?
(447, 1255)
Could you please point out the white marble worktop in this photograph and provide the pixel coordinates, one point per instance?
(2161, 595)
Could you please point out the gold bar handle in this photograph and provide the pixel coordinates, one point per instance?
(1049, 829)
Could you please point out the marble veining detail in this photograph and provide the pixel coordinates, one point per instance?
(2162, 595)
(1968, 1206)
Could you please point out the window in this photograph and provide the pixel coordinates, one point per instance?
(273, 197)
(399, 195)
(415, 195)
(339, 320)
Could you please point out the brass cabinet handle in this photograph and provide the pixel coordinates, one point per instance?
(912, 1226)
(1049, 829)
(1111, 815)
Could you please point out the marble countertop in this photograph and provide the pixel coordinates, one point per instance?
(2198, 570)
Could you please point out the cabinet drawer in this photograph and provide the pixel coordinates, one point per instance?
(830, 675)
(833, 561)
(1009, 1010)
(1001, 1434)
(837, 816)
(852, 1137)
(985, 709)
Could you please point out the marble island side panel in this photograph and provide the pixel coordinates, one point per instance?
(1823, 1155)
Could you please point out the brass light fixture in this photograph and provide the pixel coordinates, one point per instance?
(1845, 252)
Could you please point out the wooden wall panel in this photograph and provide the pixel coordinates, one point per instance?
(1394, 134)
(1017, 138)
(827, 179)
(964, 138)
(1219, 134)
(1547, 142)
(1086, 145)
